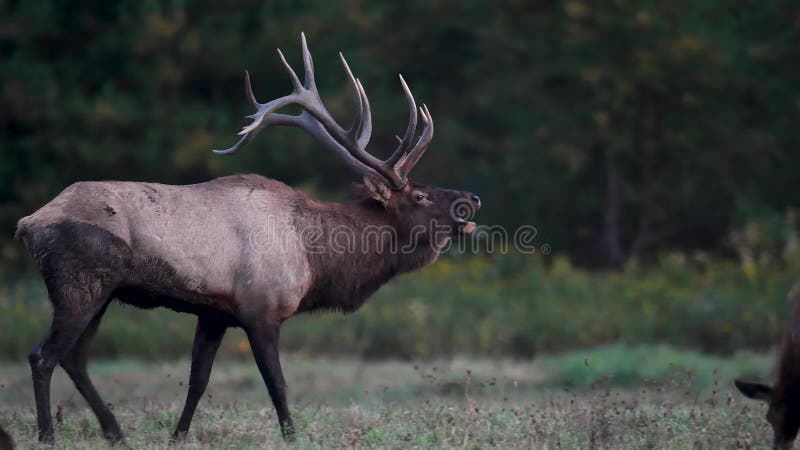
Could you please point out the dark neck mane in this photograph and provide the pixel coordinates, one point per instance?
(356, 248)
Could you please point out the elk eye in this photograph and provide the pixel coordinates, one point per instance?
(419, 197)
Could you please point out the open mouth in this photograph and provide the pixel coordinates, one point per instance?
(465, 227)
(463, 209)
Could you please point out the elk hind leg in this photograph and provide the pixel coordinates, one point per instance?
(73, 310)
(74, 363)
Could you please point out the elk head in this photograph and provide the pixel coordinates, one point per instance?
(413, 207)
(783, 411)
(783, 398)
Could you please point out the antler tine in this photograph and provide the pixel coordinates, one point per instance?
(404, 166)
(236, 147)
(411, 129)
(248, 90)
(292, 75)
(308, 65)
(354, 129)
(366, 127)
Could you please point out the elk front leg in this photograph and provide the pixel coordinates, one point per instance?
(264, 343)
(207, 338)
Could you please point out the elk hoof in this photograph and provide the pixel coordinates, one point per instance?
(178, 437)
(288, 433)
(47, 437)
(114, 437)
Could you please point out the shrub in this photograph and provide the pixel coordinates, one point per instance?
(512, 305)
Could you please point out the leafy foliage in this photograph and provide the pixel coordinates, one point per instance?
(617, 128)
(509, 305)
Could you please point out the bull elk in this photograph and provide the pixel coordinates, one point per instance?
(783, 399)
(235, 251)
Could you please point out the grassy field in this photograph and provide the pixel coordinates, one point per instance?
(607, 397)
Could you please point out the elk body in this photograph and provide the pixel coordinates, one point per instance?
(239, 251)
(783, 399)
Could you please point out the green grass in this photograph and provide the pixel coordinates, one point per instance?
(623, 365)
(554, 401)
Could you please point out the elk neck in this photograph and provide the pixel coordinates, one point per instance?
(353, 248)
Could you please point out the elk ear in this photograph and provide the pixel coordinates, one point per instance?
(756, 391)
(377, 189)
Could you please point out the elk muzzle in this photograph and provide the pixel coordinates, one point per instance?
(464, 209)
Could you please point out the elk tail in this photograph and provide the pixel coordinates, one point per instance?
(22, 229)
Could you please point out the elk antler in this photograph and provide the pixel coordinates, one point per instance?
(317, 121)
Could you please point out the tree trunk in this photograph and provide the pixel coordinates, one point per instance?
(612, 241)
